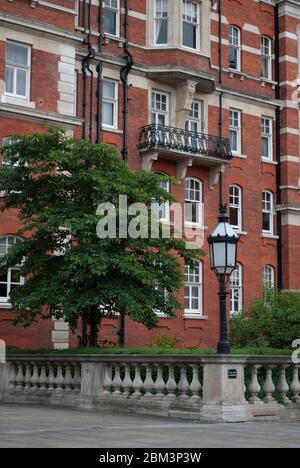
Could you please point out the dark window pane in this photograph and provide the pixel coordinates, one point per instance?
(233, 62)
(3, 290)
(189, 36)
(110, 22)
(234, 216)
(162, 32)
(266, 222)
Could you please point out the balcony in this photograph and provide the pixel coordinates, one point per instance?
(184, 147)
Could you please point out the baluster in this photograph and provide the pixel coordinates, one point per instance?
(183, 384)
(127, 384)
(137, 382)
(254, 387)
(159, 385)
(20, 377)
(171, 383)
(43, 380)
(117, 381)
(195, 386)
(269, 387)
(68, 377)
(107, 382)
(295, 386)
(13, 376)
(28, 378)
(51, 377)
(282, 386)
(59, 380)
(77, 378)
(148, 384)
(35, 377)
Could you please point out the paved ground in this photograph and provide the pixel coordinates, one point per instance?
(24, 426)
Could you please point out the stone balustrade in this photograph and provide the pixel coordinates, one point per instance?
(209, 388)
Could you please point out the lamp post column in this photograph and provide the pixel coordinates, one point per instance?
(223, 345)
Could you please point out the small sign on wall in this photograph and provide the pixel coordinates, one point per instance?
(232, 374)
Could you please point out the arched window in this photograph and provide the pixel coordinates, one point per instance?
(234, 48)
(193, 291)
(266, 58)
(267, 212)
(11, 279)
(236, 207)
(193, 202)
(269, 277)
(236, 290)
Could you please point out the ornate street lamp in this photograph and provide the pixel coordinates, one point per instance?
(223, 256)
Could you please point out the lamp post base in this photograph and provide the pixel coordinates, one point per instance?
(224, 347)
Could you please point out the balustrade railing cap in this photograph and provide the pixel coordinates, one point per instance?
(137, 358)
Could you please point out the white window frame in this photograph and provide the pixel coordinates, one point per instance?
(269, 276)
(188, 199)
(195, 24)
(266, 43)
(193, 119)
(26, 68)
(268, 210)
(236, 290)
(166, 205)
(236, 46)
(160, 18)
(236, 202)
(113, 101)
(156, 111)
(235, 125)
(117, 13)
(267, 133)
(6, 300)
(196, 283)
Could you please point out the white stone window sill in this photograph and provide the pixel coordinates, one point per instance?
(269, 236)
(17, 101)
(5, 305)
(188, 316)
(238, 155)
(112, 130)
(269, 161)
(196, 227)
(241, 233)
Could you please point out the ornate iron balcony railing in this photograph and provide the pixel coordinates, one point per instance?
(176, 139)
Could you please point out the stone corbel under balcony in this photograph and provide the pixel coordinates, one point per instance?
(182, 166)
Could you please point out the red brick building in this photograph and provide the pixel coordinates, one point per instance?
(163, 81)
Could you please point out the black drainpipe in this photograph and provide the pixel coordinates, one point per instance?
(278, 148)
(124, 78)
(220, 96)
(99, 92)
(86, 67)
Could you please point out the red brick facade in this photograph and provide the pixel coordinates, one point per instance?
(57, 33)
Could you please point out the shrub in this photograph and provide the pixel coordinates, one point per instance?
(165, 342)
(272, 322)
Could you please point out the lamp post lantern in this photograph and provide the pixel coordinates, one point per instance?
(223, 257)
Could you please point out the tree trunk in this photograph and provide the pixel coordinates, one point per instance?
(121, 331)
(84, 337)
(94, 322)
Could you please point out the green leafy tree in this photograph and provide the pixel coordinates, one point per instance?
(273, 321)
(57, 183)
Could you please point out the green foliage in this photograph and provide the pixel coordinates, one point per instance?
(272, 322)
(57, 183)
(165, 342)
(155, 350)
